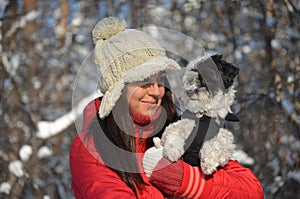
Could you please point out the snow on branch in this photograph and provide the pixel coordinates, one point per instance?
(47, 129)
(30, 16)
(243, 157)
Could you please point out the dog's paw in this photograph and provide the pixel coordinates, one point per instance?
(217, 151)
(174, 137)
(174, 148)
(208, 167)
(182, 128)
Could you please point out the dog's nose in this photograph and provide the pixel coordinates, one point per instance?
(191, 93)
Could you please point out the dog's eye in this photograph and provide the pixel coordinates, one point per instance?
(190, 93)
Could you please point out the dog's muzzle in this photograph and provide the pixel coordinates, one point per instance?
(192, 93)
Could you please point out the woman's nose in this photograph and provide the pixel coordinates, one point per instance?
(154, 89)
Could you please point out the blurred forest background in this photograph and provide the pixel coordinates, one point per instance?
(43, 44)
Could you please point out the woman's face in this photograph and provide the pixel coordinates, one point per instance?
(146, 96)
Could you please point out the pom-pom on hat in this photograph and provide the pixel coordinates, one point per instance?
(125, 55)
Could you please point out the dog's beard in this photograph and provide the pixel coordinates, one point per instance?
(200, 103)
(191, 83)
(198, 98)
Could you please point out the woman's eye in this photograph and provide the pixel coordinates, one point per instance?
(161, 80)
(145, 84)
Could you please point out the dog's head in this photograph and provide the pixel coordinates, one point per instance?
(194, 82)
(206, 81)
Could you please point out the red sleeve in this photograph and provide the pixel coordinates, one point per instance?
(91, 178)
(233, 181)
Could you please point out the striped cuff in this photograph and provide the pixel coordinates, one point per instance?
(194, 183)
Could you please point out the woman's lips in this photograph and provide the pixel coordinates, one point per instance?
(149, 103)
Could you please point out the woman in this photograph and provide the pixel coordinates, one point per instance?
(106, 158)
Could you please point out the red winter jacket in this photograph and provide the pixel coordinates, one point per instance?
(91, 178)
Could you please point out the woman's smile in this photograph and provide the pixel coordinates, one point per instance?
(150, 103)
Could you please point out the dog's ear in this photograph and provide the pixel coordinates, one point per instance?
(232, 117)
(228, 71)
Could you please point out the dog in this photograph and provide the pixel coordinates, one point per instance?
(200, 136)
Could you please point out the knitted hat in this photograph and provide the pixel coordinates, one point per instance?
(125, 55)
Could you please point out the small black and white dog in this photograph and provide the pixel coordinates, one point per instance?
(200, 136)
